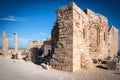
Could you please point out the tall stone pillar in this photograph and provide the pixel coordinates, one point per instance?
(15, 42)
(7, 44)
(4, 44)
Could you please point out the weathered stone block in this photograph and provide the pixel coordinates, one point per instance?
(79, 36)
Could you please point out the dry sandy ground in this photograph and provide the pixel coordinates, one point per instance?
(20, 70)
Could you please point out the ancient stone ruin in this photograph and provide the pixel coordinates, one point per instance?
(112, 40)
(15, 42)
(5, 50)
(4, 44)
(39, 49)
(78, 36)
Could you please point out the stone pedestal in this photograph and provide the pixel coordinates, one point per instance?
(19, 56)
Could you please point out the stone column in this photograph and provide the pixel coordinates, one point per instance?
(15, 42)
(4, 44)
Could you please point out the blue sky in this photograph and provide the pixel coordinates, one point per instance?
(34, 19)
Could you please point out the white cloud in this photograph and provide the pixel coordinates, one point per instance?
(40, 34)
(23, 42)
(34, 35)
(13, 18)
(10, 38)
(43, 34)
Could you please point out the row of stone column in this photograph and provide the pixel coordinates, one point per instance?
(5, 44)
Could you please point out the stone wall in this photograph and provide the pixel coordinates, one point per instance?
(78, 36)
(44, 45)
(35, 49)
(35, 43)
(81, 57)
(47, 47)
(39, 49)
(98, 34)
(70, 47)
(62, 39)
(113, 41)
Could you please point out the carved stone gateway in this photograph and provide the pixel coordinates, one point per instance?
(78, 36)
(94, 40)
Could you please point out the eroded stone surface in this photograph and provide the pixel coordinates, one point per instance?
(4, 44)
(77, 37)
(15, 42)
(113, 41)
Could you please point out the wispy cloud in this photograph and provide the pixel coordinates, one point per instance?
(13, 18)
(34, 35)
(43, 34)
(20, 39)
(40, 34)
(23, 42)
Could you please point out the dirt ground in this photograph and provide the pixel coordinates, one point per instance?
(20, 70)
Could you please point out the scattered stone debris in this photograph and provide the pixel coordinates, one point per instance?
(113, 64)
(45, 66)
(78, 39)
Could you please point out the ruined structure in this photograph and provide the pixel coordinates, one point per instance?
(4, 44)
(35, 43)
(5, 50)
(47, 46)
(112, 41)
(39, 48)
(15, 42)
(35, 49)
(44, 45)
(78, 36)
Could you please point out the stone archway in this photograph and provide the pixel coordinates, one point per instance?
(94, 38)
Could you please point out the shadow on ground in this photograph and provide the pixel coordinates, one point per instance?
(101, 67)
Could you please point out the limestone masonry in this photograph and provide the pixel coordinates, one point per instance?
(15, 42)
(5, 50)
(4, 44)
(112, 40)
(78, 37)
